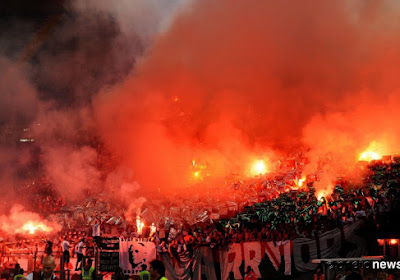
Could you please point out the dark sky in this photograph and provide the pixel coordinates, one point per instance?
(31, 8)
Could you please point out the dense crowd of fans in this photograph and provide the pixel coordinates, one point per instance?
(285, 215)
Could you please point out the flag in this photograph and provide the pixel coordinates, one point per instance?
(134, 253)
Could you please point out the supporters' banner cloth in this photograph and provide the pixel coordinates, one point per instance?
(177, 267)
(231, 258)
(252, 256)
(204, 254)
(185, 265)
(273, 254)
(277, 252)
(331, 245)
(357, 245)
(287, 254)
(133, 253)
(304, 251)
(192, 263)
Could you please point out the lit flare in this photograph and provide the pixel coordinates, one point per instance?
(32, 227)
(139, 225)
(258, 168)
(319, 194)
(369, 156)
(393, 241)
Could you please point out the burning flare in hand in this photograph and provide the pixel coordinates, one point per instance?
(139, 225)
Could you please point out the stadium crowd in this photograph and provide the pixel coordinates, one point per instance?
(283, 216)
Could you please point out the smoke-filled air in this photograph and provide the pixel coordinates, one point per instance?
(120, 102)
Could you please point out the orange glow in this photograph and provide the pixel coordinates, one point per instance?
(373, 152)
(176, 98)
(258, 168)
(139, 225)
(321, 193)
(393, 241)
(32, 227)
(381, 242)
(368, 156)
(198, 170)
(301, 181)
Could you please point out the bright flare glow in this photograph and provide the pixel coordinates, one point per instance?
(196, 174)
(301, 181)
(139, 225)
(31, 227)
(258, 168)
(374, 151)
(393, 241)
(368, 156)
(319, 194)
(176, 98)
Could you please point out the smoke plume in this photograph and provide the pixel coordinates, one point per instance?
(231, 80)
(164, 88)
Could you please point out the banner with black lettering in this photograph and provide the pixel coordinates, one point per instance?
(133, 253)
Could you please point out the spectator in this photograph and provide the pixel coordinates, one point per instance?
(318, 275)
(144, 274)
(250, 275)
(48, 266)
(88, 271)
(79, 254)
(118, 274)
(65, 246)
(157, 270)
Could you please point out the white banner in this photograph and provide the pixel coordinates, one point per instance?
(252, 256)
(287, 253)
(273, 254)
(231, 259)
(134, 253)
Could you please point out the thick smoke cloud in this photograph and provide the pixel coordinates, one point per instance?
(17, 103)
(164, 83)
(52, 65)
(232, 79)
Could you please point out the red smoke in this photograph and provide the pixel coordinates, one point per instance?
(25, 222)
(231, 81)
